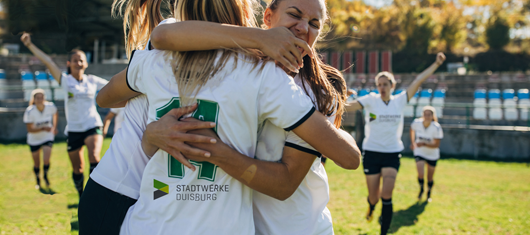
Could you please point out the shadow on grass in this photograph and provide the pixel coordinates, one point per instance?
(407, 217)
(74, 225)
(48, 191)
(73, 206)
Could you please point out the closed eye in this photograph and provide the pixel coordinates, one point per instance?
(294, 15)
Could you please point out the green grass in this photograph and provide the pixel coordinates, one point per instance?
(470, 197)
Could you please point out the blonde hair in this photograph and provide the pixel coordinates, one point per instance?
(140, 17)
(192, 69)
(33, 93)
(433, 110)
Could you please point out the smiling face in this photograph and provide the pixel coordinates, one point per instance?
(77, 62)
(428, 115)
(38, 99)
(305, 18)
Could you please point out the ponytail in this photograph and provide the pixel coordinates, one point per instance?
(140, 17)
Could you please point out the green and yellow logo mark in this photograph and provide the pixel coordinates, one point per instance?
(372, 117)
(162, 189)
(70, 95)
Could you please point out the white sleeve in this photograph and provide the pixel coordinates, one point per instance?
(281, 101)
(134, 81)
(100, 82)
(401, 99)
(27, 117)
(413, 125)
(54, 108)
(136, 114)
(297, 143)
(365, 101)
(63, 81)
(440, 133)
(115, 110)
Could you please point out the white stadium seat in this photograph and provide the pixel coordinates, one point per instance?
(28, 84)
(479, 112)
(438, 102)
(424, 100)
(510, 112)
(44, 83)
(494, 102)
(409, 109)
(524, 103)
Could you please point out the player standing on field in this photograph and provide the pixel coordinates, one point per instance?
(382, 146)
(41, 122)
(425, 136)
(83, 123)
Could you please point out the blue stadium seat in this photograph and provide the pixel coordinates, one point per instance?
(439, 93)
(524, 103)
(3, 83)
(508, 94)
(480, 94)
(364, 92)
(375, 91)
(28, 84)
(523, 94)
(438, 101)
(510, 111)
(479, 111)
(494, 101)
(494, 94)
(44, 83)
(399, 91)
(424, 100)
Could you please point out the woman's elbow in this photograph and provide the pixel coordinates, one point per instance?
(101, 101)
(353, 160)
(157, 37)
(285, 193)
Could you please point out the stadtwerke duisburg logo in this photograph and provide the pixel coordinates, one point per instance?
(162, 189)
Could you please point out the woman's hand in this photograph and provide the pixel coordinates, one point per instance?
(440, 58)
(26, 39)
(418, 145)
(413, 146)
(170, 135)
(283, 46)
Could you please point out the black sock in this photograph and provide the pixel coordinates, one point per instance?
(372, 207)
(78, 182)
(386, 215)
(421, 182)
(37, 171)
(46, 168)
(93, 166)
(430, 184)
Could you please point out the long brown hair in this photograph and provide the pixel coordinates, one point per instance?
(140, 17)
(192, 69)
(326, 82)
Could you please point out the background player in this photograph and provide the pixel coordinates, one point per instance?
(41, 122)
(82, 119)
(382, 145)
(425, 136)
(113, 113)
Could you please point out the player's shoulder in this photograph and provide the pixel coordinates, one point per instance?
(437, 125)
(30, 108)
(417, 122)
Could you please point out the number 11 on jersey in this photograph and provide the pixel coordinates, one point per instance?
(206, 111)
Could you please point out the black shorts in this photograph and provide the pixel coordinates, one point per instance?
(101, 210)
(34, 148)
(323, 159)
(430, 162)
(374, 161)
(76, 140)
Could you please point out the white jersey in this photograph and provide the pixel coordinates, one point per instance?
(238, 98)
(122, 166)
(305, 211)
(40, 119)
(384, 122)
(118, 119)
(427, 135)
(80, 104)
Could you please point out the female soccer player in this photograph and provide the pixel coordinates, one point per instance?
(83, 121)
(382, 144)
(231, 201)
(304, 20)
(41, 122)
(425, 136)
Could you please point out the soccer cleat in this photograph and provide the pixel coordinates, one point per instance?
(429, 199)
(369, 215)
(37, 186)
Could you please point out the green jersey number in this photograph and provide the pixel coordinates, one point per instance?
(206, 111)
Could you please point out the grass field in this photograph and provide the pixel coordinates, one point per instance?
(469, 197)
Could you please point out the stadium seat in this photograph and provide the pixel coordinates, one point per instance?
(494, 103)
(375, 91)
(438, 101)
(479, 104)
(28, 84)
(58, 91)
(44, 83)
(524, 102)
(399, 91)
(424, 100)
(409, 109)
(364, 92)
(510, 111)
(3, 84)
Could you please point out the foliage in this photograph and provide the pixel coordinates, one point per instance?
(497, 32)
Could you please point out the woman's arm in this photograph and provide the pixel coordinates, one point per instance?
(412, 134)
(434, 145)
(116, 93)
(276, 179)
(413, 88)
(54, 120)
(32, 129)
(337, 145)
(353, 106)
(106, 122)
(45, 59)
(278, 43)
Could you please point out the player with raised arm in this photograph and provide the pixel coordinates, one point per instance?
(41, 122)
(425, 136)
(382, 145)
(83, 123)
